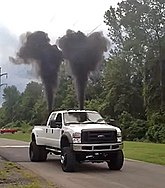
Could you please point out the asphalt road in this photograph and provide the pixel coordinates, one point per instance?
(134, 174)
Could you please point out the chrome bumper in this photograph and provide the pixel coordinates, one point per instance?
(98, 147)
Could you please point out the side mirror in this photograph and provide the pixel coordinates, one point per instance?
(112, 122)
(55, 124)
(58, 124)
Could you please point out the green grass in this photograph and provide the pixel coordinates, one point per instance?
(17, 136)
(148, 152)
(142, 151)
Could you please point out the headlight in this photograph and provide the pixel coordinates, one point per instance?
(76, 137)
(119, 137)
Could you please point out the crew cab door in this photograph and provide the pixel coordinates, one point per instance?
(48, 131)
(55, 131)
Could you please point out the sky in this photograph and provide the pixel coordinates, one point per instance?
(51, 16)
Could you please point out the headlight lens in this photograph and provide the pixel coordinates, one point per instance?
(119, 137)
(76, 137)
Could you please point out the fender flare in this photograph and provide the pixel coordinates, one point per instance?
(68, 136)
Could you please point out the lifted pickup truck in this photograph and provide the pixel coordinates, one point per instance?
(77, 136)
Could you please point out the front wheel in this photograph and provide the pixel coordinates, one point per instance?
(68, 160)
(116, 160)
(37, 153)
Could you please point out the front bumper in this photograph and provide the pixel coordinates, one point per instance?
(98, 147)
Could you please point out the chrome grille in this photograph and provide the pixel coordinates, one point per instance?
(99, 136)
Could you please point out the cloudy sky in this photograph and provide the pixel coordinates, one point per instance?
(51, 16)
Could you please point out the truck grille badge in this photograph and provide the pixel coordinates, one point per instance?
(101, 136)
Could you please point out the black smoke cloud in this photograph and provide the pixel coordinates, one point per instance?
(37, 49)
(84, 53)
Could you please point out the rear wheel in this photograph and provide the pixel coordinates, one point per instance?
(68, 160)
(37, 153)
(116, 160)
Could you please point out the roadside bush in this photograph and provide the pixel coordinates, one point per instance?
(125, 121)
(25, 127)
(137, 130)
(156, 130)
(132, 129)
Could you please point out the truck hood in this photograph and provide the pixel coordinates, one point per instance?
(92, 126)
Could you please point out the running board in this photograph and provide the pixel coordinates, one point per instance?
(54, 150)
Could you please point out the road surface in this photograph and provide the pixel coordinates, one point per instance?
(134, 174)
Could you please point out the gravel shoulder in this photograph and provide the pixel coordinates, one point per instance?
(13, 175)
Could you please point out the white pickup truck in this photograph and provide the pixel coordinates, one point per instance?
(77, 136)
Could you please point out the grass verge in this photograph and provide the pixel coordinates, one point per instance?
(17, 136)
(148, 152)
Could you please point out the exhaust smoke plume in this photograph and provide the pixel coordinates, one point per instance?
(37, 49)
(84, 53)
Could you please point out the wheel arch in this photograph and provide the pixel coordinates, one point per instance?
(33, 137)
(66, 140)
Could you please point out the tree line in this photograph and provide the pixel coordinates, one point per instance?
(129, 86)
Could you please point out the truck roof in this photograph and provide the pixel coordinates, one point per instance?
(64, 111)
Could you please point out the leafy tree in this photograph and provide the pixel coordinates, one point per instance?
(95, 89)
(12, 98)
(121, 92)
(30, 96)
(136, 29)
(2, 116)
(40, 112)
(66, 96)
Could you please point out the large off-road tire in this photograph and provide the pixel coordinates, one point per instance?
(68, 160)
(37, 153)
(116, 160)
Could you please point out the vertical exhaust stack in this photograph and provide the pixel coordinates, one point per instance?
(84, 53)
(37, 49)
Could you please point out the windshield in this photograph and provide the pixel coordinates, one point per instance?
(82, 117)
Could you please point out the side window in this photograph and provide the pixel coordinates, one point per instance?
(53, 116)
(56, 122)
(59, 119)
